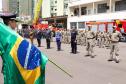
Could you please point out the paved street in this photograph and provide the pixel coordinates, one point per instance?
(85, 70)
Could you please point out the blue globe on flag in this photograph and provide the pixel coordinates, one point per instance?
(28, 55)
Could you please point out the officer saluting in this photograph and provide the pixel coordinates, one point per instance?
(115, 36)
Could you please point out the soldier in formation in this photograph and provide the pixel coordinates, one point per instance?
(90, 36)
(74, 41)
(58, 40)
(115, 37)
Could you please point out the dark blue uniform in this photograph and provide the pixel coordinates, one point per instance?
(73, 42)
(39, 36)
(48, 38)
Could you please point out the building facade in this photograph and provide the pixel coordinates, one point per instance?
(4, 5)
(0, 5)
(82, 11)
(26, 8)
(23, 8)
(14, 6)
(55, 11)
(46, 9)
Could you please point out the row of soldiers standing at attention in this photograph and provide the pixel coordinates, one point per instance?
(91, 39)
(102, 39)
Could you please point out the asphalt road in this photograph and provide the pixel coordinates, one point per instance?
(85, 70)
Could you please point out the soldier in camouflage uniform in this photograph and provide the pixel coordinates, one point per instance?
(63, 35)
(115, 36)
(107, 39)
(79, 38)
(102, 40)
(98, 38)
(68, 37)
(90, 35)
(82, 39)
(52, 34)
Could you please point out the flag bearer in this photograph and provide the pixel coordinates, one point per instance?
(9, 19)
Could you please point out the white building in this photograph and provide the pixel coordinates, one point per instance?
(56, 7)
(55, 11)
(52, 8)
(4, 5)
(0, 5)
(82, 11)
(46, 9)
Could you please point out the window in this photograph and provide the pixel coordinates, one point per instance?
(102, 8)
(65, 6)
(53, 14)
(51, 2)
(81, 25)
(95, 11)
(55, 1)
(73, 24)
(52, 9)
(76, 11)
(83, 10)
(120, 5)
(89, 12)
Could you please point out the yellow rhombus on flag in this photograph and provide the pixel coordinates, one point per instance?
(23, 62)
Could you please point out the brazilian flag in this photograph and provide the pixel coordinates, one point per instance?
(23, 63)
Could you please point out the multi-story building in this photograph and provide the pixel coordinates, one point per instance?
(26, 8)
(9, 5)
(46, 9)
(55, 11)
(14, 6)
(65, 7)
(21, 7)
(0, 5)
(56, 7)
(82, 11)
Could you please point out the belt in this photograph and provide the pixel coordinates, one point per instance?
(90, 38)
(114, 41)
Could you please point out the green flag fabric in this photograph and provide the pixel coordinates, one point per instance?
(23, 63)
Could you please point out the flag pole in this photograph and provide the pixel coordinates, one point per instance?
(60, 68)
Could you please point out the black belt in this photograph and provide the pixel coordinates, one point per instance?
(90, 38)
(115, 41)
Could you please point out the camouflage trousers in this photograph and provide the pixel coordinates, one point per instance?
(89, 47)
(102, 41)
(114, 51)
